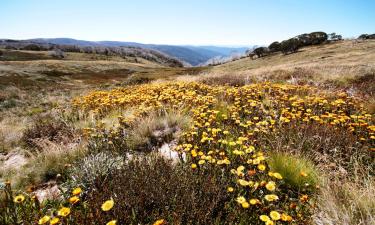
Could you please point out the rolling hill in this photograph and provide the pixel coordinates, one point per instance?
(193, 55)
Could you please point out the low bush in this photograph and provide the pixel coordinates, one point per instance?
(149, 189)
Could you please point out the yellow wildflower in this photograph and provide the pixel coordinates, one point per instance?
(271, 197)
(77, 191)
(108, 205)
(64, 211)
(159, 222)
(277, 176)
(254, 201)
(245, 205)
(285, 217)
(73, 199)
(112, 222)
(264, 218)
(271, 186)
(241, 199)
(19, 199)
(44, 220)
(243, 182)
(275, 215)
(303, 174)
(54, 221)
(261, 167)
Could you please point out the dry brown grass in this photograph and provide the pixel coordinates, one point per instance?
(346, 203)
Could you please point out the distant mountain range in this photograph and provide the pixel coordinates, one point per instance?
(193, 55)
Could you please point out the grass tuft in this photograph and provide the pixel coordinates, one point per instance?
(297, 171)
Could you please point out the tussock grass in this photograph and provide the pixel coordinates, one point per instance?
(156, 129)
(297, 171)
(45, 165)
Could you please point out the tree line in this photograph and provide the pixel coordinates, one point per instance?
(292, 45)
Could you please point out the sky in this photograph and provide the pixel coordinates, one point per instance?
(184, 22)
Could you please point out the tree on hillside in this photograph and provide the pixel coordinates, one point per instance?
(363, 36)
(318, 37)
(261, 51)
(334, 37)
(274, 46)
(305, 39)
(313, 38)
(290, 46)
(366, 36)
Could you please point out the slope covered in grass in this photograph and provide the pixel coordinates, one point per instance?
(345, 64)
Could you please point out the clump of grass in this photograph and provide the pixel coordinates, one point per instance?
(155, 129)
(46, 164)
(297, 171)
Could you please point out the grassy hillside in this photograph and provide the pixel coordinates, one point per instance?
(94, 139)
(343, 64)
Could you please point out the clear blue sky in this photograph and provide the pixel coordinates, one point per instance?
(197, 22)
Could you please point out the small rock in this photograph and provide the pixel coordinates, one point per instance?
(49, 192)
